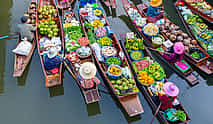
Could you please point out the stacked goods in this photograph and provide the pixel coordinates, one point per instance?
(202, 6)
(174, 34)
(200, 30)
(152, 76)
(48, 26)
(106, 49)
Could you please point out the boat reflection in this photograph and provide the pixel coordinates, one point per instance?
(93, 109)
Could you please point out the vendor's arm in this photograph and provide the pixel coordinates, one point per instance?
(169, 57)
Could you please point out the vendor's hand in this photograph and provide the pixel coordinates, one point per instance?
(161, 52)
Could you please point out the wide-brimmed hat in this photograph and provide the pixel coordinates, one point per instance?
(155, 3)
(87, 70)
(170, 89)
(178, 48)
(52, 52)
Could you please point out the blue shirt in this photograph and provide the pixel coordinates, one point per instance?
(153, 11)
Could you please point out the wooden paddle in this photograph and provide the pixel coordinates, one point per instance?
(7, 36)
(157, 50)
(155, 113)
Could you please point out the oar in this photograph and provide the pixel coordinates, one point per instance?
(7, 36)
(155, 113)
(157, 50)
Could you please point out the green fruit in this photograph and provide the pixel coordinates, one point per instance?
(40, 16)
(55, 30)
(55, 34)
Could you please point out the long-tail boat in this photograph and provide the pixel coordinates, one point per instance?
(148, 79)
(47, 15)
(197, 27)
(187, 73)
(194, 53)
(201, 8)
(110, 59)
(21, 61)
(76, 41)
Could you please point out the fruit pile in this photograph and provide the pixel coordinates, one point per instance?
(48, 28)
(123, 84)
(113, 60)
(134, 44)
(105, 41)
(156, 71)
(136, 55)
(47, 11)
(145, 79)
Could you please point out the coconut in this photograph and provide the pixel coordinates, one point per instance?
(184, 35)
(167, 24)
(194, 42)
(180, 38)
(172, 37)
(177, 27)
(186, 42)
(168, 34)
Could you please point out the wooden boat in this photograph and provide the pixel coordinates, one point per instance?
(91, 95)
(64, 4)
(22, 61)
(128, 97)
(146, 89)
(196, 36)
(50, 78)
(204, 64)
(188, 75)
(198, 12)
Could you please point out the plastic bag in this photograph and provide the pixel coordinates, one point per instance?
(23, 48)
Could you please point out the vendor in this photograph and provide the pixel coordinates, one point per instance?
(177, 52)
(153, 11)
(51, 60)
(171, 92)
(26, 29)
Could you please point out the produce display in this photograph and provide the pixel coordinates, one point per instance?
(201, 31)
(147, 70)
(202, 6)
(123, 84)
(145, 79)
(31, 13)
(156, 71)
(47, 25)
(46, 12)
(107, 50)
(114, 70)
(83, 51)
(113, 60)
(104, 41)
(158, 40)
(136, 55)
(151, 29)
(174, 34)
(134, 44)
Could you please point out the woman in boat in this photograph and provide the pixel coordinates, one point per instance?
(154, 10)
(171, 92)
(177, 52)
(26, 29)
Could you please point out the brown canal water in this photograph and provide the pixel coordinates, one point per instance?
(26, 100)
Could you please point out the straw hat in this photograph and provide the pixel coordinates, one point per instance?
(87, 70)
(170, 89)
(52, 52)
(155, 3)
(178, 48)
